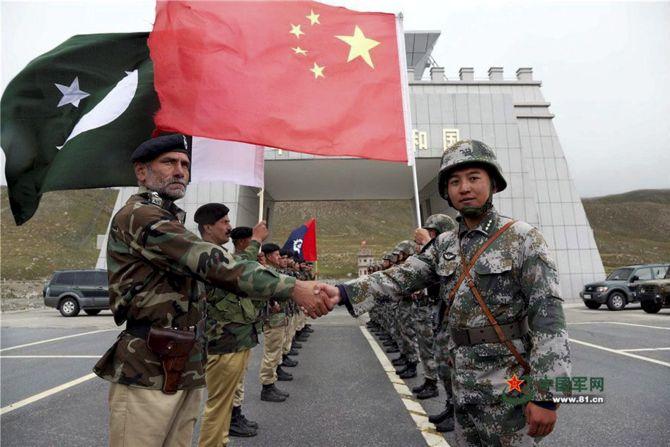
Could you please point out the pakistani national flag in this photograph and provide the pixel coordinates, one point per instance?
(73, 116)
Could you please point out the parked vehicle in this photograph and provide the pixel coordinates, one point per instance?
(71, 291)
(619, 288)
(654, 294)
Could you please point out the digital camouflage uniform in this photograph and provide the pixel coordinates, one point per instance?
(426, 308)
(154, 264)
(517, 278)
(406, 315)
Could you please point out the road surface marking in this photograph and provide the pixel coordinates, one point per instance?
(620, 322)
(55, 339)
(50, 356)
(620, 352)
(644, 349)
(47, 393)
(416, 411)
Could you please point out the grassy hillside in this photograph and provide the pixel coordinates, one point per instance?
(61, 235)
(631, 228)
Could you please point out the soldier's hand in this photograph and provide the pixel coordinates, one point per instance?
(421, 236)
(331, 292)
(310, 297)
(540, 420)
(260, 232)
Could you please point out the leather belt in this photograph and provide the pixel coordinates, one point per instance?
(140, 328)
(486, 334)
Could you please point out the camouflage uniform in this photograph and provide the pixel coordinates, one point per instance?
(406, 315)
(517, 278)
(154, 264)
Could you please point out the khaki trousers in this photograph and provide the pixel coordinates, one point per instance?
(302, 320)
(239, 389)
(223, 373)
(288, 337)
(273, 340)
(150, 418)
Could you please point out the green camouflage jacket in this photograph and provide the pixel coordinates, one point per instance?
(154, 264)
(516, 277)
(232, 323)
(271, 318)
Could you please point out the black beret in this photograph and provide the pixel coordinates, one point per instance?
(151, 149)
(269, 248)
(286, 252)
(241, 233)
(210, 213)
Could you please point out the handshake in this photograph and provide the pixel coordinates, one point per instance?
(315, 298)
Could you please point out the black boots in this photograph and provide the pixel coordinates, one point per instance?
(288, 361)
(271, 393)
(283, 376)
(408, 371)
(240, 426)
(400, 361)
(427, 390)
(444, 422)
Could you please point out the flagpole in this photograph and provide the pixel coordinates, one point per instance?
(411, 159)
(261, 196)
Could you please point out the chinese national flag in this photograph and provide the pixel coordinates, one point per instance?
(301, 76)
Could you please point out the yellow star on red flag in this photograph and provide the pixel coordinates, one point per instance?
(317, 70)
(296, 31)
(360, 46)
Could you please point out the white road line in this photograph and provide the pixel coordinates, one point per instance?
(55, 339)
(50, 356)
(620, 352)
(644, 349)
(416, 411)
(47, 393)
(620, 322)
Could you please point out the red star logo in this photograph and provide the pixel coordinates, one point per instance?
(514, 384)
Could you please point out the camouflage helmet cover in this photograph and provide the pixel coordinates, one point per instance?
(439, 223)
(387, 256)
(467, 152)
(406, 247)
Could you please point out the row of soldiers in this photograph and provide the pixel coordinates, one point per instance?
(232, 329)
(408, 326)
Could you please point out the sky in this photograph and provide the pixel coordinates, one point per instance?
(604, 66)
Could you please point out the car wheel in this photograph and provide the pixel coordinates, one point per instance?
(69, 307)
(92, 311)
(592, 304)
(651, 307)
(616, 301)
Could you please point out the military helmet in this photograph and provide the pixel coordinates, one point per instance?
(439, 223)
(406, 247)
(387, 257)
(467, 152)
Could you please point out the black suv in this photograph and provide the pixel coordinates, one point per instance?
(619, 288)
(70, 291)
(654, 294)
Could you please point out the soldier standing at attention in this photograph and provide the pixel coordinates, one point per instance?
(239, 424)
(156, 365)
(505, 317)
(230, 328)
(274, 330)
(426, 304)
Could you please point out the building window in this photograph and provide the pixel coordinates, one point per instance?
(449, 137)
(420, 139)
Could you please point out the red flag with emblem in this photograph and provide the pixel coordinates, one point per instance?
(301, 76)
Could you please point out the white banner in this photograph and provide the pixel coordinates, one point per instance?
(227, 161)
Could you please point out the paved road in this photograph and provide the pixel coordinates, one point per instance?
(341, 394)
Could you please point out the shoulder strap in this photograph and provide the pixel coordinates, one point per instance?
(482, 249)
(480, 300)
